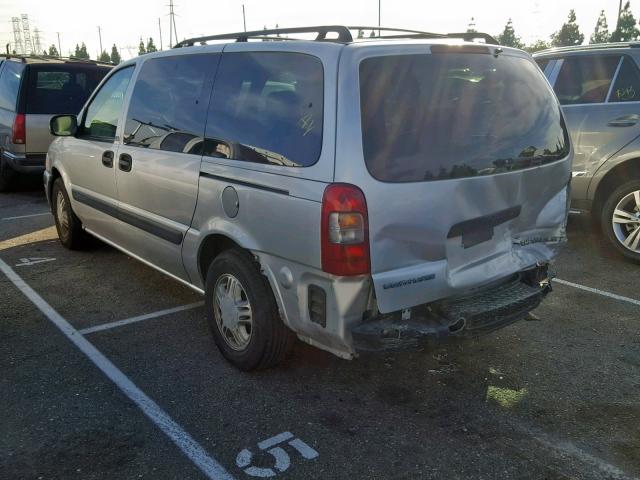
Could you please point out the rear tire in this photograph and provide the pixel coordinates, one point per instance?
(620, 220)
(243, 315)
(68, 225)
(7, 175)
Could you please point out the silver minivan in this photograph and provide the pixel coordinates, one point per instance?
(598, 87)
(358, 195)
(32, 90)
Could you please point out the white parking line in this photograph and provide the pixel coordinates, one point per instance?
(633, 301)
(27, 216)
(140, 318)
(192, 449)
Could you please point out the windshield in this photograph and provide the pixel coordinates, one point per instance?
(452, 115)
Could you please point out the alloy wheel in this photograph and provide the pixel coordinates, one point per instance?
(626, 221)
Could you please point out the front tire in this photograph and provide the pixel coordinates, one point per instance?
(620, 219)
(68, 224)
(243, 315)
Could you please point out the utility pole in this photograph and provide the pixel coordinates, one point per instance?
(59, 47)
(619, 13)
(379, 15)
(100, 38)
(244, 18)
(17, 36)
(160, 29)
(26, 34)
(172, 24)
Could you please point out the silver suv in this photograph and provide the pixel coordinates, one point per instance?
(360, 195)
(32, 90)
(599, 89)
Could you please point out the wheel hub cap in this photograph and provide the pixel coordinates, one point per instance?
(232, 312)
(61, 212)
(626, 221)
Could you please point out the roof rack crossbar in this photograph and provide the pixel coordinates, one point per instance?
(344, 35)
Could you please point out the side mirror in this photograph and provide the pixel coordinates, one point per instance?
(63, 125)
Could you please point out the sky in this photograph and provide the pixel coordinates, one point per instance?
(123, 22)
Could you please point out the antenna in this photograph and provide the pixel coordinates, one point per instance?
(28, 46)
(17, 36)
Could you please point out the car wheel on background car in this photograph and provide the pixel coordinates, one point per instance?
(68, 224)
(7, 175)
(242, 313)
(620, 219)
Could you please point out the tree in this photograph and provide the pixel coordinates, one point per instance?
(627, 29)
(537, 46)
(508, 37)
(53, 51)
(151, 47)
(569, 33)
(601, 33)
(115, 55)
(141, 49)
(104, 57)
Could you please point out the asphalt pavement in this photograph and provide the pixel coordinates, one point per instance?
(108, 370)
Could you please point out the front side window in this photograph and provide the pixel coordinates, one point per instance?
(585, 79)
(10, 84)
(267, 108)
(627, 85)
(169, 103)
(61, 89)
(436, 116)
(102, 115)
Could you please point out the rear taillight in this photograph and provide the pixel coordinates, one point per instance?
(345, 231)
(18, 133)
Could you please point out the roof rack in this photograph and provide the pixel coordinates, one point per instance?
(466, 36)
(343, 33)
(593, 46)
(26, 58)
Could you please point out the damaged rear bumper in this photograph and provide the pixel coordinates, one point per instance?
(476, 313)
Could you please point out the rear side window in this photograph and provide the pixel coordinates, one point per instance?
(60, 89)
(441, 116)
(542, 63)
(10, 84)
(267, 108)
(585, 79)
(627, 85)
(102, 114)
(169, 102)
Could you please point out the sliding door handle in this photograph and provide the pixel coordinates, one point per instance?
(107, 159)
(124, 162)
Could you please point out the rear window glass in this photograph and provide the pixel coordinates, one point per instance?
(627, 86)
(442, 116)
(585, 79)
(54, 90)
(267, 107)
(9, 85)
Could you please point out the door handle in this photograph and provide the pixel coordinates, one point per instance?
(124, 162)
(625, 121)
(107, 159)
